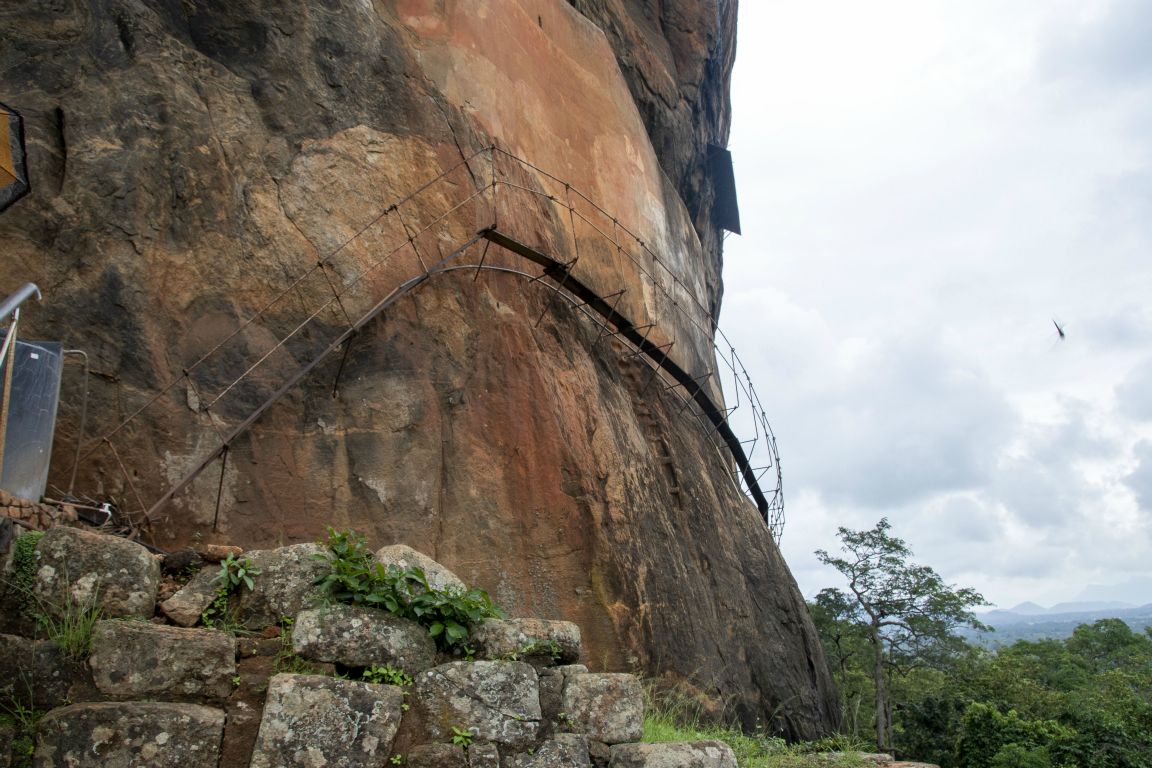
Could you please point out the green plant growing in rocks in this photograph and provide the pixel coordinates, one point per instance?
(24, 570)
(287, 660)
(355, 578)
(68, 624)
(462, 737)
(71, 624)
(24, 721)
(235, 573)
(387, 674)
(549, 648)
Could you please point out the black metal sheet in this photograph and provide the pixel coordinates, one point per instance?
(726, 209)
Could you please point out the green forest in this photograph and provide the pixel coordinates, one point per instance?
(911, 684)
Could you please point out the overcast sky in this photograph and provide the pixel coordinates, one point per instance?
(924, 186)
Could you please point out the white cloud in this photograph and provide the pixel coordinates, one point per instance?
(926, 185)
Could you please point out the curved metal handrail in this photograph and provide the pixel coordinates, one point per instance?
(351, 271)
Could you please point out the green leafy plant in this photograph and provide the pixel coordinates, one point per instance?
(354, 577)
(462, 737)
(387, 674)
(396, 759)
(234, 574)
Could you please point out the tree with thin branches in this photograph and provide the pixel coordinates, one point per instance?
(906, 611)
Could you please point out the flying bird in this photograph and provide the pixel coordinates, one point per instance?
(1059, 329)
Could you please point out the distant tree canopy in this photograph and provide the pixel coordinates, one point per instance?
(1082, 702)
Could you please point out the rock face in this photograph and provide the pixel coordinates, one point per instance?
(191, 162)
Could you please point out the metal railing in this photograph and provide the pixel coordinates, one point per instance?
(654, 306)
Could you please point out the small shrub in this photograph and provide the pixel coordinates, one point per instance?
(234, 574)
(354, 577)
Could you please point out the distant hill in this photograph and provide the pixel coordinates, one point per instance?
(1029, 621)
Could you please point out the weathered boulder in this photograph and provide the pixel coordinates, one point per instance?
(117, 575)
(693, 754)
(189, 603)
(311, 720)
(607, 707)
(537, 641)
(133, 659)
(130, 735)
(284, 587)
(362, 637)
(565, 750)
(403, 556)
(496, 701)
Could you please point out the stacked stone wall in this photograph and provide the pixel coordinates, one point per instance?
(287, 685)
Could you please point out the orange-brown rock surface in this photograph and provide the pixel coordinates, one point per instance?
(190, 160)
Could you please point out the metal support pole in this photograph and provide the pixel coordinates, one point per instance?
(6, 386)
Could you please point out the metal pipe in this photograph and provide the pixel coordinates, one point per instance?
(8, 360)
(19, 297)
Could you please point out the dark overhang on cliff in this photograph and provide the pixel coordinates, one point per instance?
(725, 209)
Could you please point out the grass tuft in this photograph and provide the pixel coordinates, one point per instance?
(672, 718)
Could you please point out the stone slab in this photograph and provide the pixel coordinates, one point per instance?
(606, 706)
(362, 637)
(312, 720)
(130, 735)
(284, 587)
(693, 754)
(497, 701)
(540, 642)
(403, 556)
(134, 659)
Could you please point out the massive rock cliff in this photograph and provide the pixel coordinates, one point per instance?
(193, 159)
